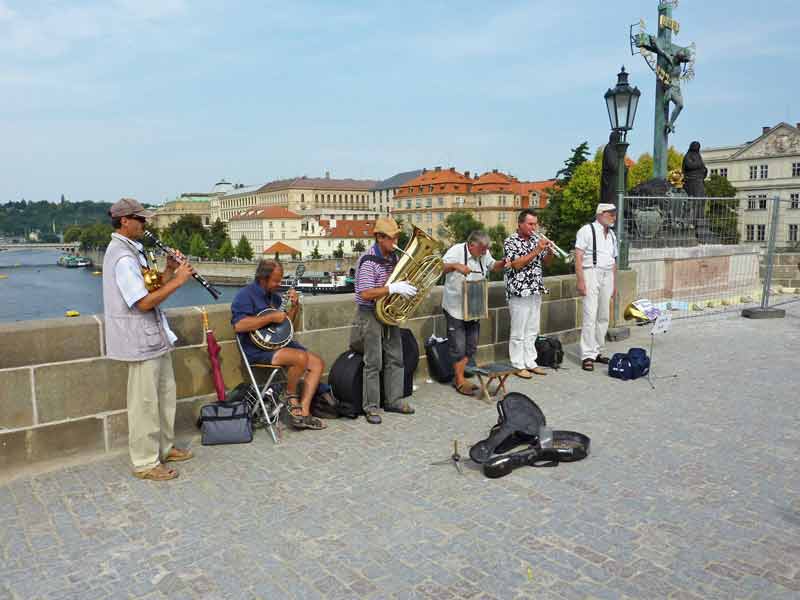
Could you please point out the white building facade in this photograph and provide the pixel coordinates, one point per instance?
(761, 169)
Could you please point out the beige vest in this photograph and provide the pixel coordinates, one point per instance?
(131, 334)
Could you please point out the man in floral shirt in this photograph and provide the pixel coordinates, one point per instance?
(524, 289)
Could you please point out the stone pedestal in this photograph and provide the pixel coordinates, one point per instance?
(695, 272)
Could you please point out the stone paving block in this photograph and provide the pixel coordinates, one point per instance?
(358, 511)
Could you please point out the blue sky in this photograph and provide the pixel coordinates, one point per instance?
(150, 98)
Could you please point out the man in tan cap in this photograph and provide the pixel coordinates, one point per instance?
(595, 269)
(380, 344)
(137, 332)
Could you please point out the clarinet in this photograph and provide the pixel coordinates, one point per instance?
(215, 293)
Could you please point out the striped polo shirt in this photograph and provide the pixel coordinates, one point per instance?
(372, 274)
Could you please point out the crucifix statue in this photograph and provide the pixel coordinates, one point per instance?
(671, 64)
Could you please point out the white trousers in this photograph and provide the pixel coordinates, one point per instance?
(599, 285)
(151, 411)
(525, 313)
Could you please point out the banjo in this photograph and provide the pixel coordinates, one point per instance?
(277, 335)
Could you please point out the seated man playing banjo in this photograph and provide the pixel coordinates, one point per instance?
(246, 317)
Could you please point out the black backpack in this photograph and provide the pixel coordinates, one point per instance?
(346, 376)
(440, 367)
(549, 352)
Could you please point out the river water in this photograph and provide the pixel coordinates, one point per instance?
(37, 288)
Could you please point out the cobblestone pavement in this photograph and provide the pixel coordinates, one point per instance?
(691, 491)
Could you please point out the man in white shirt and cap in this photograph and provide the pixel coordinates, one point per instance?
(467, 261)
(137, 332)
(596, 254)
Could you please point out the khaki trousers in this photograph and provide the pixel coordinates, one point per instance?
(596, 304)
(151, 411)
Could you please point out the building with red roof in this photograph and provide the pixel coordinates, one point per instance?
(494, 198)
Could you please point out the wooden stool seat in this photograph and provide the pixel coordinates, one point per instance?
(264, 366)
(493, 372)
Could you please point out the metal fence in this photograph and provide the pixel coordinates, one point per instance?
(701, 256)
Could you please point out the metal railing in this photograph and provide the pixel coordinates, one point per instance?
(701, 256)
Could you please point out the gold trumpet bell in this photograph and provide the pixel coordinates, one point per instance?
(634, 313)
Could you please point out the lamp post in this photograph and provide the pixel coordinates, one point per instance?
(621, 103)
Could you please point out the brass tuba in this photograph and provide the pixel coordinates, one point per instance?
(420, 266)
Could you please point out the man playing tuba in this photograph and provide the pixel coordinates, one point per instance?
(380, 344)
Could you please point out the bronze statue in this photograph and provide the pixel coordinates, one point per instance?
(694, 172)
(608, 180)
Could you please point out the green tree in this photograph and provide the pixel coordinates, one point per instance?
(226, 251)
(339, 251)
(641, 171)
(674, 159)
(722, 214)
(216, 236)
(315, 253)
(187, 226)
(243, 249)
(458, 225)
(579, 156)
(497, 235)
(197, 246)
(73, 234)
(95, 236)
(402, 240)
(359, 247)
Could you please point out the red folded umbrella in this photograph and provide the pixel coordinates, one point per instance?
(213, 355)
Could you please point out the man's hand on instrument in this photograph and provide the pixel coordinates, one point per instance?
(405, 289)
(293, 297)
(542, 245)
(183, 272)
(463, 269)
(174, 262)
(276, 316)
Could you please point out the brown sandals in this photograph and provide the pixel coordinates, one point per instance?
(466, 389)
(157, 473)
(298, 420)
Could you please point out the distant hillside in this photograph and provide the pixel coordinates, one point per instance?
(18, 218)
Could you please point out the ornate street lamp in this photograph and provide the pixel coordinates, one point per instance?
(621, 102)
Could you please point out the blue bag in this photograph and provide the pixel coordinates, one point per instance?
(620, 366)
(640, 362)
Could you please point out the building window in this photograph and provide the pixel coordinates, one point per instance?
(753, 172)
(418, 203)
(794, 200)
(764, 171)
(399, 204)
(750, 232)
(428, 217)
(408, 203)
(793, 232)
(428, 202)
(459, 202)
(501, 217)
(440, 217)
(761, 233)
(723, 172)
(430, 231)
(714, 172)
(796, 169)
(762, 202)
(440, 202)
